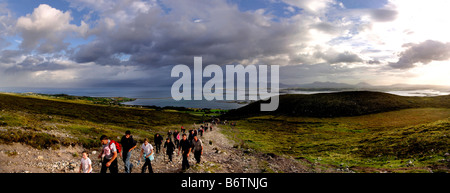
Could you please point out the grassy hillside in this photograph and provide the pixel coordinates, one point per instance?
(44, 123)
(357, 131)
(410, 140)
(110, 101)
(340, 104)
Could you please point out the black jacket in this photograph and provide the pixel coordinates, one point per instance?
(170, 147)
(158, 140)
(127, 144)
(185, 145)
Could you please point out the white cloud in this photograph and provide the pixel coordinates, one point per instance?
(46, 29)
(414, 22)
(313, 6)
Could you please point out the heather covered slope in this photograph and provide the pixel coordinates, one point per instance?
(341, 104)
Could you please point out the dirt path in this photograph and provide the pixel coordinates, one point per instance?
(219, 156)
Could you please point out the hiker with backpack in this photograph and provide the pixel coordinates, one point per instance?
(147, 153)
(128, 144)
(110, 150)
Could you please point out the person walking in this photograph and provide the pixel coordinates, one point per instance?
(108, 155)
(197, 148)
(158, 139)
(185, 148)
(170, 147)
(176, 138)
(86, 163)
(200, 131)
(191, 136)
(146, 151)
(169, 134)
(128, 144)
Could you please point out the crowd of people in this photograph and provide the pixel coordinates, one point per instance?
(181, 142)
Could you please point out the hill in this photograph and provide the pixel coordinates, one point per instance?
(408, 140)
(59, 129)
(48, 123)
(340, 104)
(322, 132)
(361, 85)
(128, 117)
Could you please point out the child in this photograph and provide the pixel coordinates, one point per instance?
(86, 164)
(147, 151)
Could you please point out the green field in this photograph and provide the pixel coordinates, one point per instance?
(410, 140)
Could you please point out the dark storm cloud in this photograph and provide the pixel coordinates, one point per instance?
(33, 64)
(9, 56)
(383, 15)
(135, 43)
(424, 52)
(152, 38)
(333, 57)
(326, 27)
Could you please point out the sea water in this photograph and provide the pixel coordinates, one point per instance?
(160, 96)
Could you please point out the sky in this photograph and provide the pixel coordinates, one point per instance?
(108, 43)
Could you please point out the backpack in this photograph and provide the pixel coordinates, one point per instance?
(118, 146)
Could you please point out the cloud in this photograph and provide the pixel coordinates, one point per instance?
(225, 35)
(137, 42)
(383, 15)
(333, 57)
(46, 29)
(424, 52)
(312, 6)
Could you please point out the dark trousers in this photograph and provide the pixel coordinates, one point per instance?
(185, 163)
(158, 147)
(177, 143)
(170, 155)
(197, 155)
(113, 168)
(149, 164)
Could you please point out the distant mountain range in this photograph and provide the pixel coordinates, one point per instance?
(359, 86)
